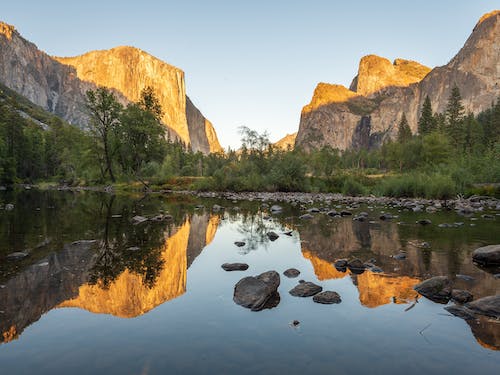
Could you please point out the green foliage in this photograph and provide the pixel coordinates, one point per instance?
(415, 185)
(426, 122)
(404, 131)
(455, 118)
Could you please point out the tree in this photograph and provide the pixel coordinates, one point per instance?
(150, 102)
(426, 122)
(454, 118)
(141, 139)
(404, 131)
(104, 117)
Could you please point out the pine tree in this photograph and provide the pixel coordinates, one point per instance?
(426, 123)
(404, 131)
(455, 118)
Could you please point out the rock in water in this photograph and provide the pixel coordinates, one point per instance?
(273, 236)
(139, 219)
(234, 266)
(306, 289)
(356, 266)
(486, 306)
(291, 272)
(239, 243)
(327, 297)
(255, 292)
(437, 289)
(461, 296)
(487, 255)
(276, 209)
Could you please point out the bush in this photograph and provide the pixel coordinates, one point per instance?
(418, 185)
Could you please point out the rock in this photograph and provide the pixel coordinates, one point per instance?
(133, 248)
(359, 218)
(386, 216)
(234, 266)
(333, 213)
(437, 289)
(291, 273)
(486, 306)
(9, 207)
(461, 296)
(341, 263)
(313, 210)
(306, 217)
(17, 255)
(424, 222)
(487, 216)
(376, 269)
(305, 289)
(327, 297)
(273, 236)
(139, 219)
(400, 256)
(83, 242)
(356, 265)
(276, 209)
(217, 208)
(464, 277)
(288, 233)
(239, 243)
(345, 213)
(487, 255)
(431, 209)
(295, 323)
(255, 292)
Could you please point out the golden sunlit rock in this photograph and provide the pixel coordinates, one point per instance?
(287, 142)
(326, 93)
(6, 30)
(128, 296)
(376, 73)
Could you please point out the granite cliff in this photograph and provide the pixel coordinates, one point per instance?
(368, 113)
(59, 84)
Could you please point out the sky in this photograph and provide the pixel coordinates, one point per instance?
(254, 63)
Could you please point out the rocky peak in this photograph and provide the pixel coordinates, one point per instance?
(7, 30)
(288, 141)
(376, 73)
(326, 93)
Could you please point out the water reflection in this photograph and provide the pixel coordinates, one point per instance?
(131, 269)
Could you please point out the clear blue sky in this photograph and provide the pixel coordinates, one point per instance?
(254, 63)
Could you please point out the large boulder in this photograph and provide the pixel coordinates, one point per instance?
(487, 255)
(259, 292)
(437, 289)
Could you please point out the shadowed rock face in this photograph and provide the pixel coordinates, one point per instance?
(59, 84)
(383, 92)
(287, 142)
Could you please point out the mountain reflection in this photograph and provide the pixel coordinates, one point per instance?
(129, 271)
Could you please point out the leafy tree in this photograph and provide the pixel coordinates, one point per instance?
(426, 122)
(104, 112)
(150, 102)
(404, 131)
(436, 149)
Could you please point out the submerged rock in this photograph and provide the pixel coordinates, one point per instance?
(306, 217)
(437, 289)
(239, 243)
(327, 297)
(259, 292)
(386, 216)
(305, 289)
(291, 272)
(234, 266)
(276, 209)
(139, 219)
(273, 236)
(340, 263)
(487, 255)
(461, 296)
(356, 266)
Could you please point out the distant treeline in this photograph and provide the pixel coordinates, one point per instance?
(451, 152)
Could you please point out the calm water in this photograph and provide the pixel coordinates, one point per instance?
(152, 298)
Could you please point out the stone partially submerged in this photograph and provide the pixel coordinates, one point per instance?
(437, 289)
(486, 306)
(306, 289)
(234, 266)
(487, 255)
(258, 292)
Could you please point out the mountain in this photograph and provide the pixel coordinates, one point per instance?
(59, 84)
(367, 113)
(286, 143)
